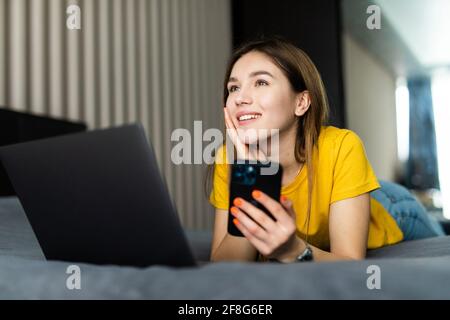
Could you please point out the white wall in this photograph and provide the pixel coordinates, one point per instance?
(370, 106)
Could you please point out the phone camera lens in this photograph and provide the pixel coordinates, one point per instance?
(245, 174)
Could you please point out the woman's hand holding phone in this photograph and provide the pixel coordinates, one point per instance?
(275, 239)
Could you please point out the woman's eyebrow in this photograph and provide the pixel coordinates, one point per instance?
(261, 72)
(253, 74)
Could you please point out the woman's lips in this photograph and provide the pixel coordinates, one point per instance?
(246, 122)
(245, 118)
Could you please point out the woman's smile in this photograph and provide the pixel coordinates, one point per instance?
(247, 117)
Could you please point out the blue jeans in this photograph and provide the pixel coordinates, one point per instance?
(410, 215)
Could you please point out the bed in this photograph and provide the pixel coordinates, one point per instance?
(409, 270)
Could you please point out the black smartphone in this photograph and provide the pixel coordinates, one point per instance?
(246, 177)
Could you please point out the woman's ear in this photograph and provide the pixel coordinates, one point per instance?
(303, 103)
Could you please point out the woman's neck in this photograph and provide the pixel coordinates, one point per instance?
(291, 167)
(285, 154)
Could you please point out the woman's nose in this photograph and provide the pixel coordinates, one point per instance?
(243, 97)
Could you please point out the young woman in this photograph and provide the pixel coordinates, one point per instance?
(325, 211)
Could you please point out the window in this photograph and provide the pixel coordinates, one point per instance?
(441, 109)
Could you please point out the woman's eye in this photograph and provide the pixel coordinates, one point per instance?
(232, 89)
(261, 83)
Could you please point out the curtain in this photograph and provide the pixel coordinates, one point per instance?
(159, 62)
(422, 169)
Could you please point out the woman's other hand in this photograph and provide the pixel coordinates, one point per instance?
(242, 149)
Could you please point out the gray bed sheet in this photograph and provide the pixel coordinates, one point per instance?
(410, 270)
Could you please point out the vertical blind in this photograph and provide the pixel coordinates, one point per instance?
(159, 62)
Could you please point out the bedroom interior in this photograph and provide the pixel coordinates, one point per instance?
(161, 63)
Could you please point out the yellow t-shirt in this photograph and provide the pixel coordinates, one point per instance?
(341, 171)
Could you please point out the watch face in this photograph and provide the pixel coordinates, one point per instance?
(307, 255)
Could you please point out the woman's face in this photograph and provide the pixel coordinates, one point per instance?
(260, 97)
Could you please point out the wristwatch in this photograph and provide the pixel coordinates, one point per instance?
(306, 255)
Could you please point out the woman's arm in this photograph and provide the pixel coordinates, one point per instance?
(348, 228)
(227, 247)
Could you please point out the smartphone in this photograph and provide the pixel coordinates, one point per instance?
(246, 177)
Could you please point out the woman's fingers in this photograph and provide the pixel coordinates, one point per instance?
(241, 148)
(261, 156)
(273, 206)
(287, 204)
(285, 219)
(262, 231)
(255, 213)
(254, 228)
(229, 124)
(257, 243)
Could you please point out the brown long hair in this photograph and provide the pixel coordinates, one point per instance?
(302, 75)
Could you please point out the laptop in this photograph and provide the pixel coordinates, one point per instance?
(98, 197)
